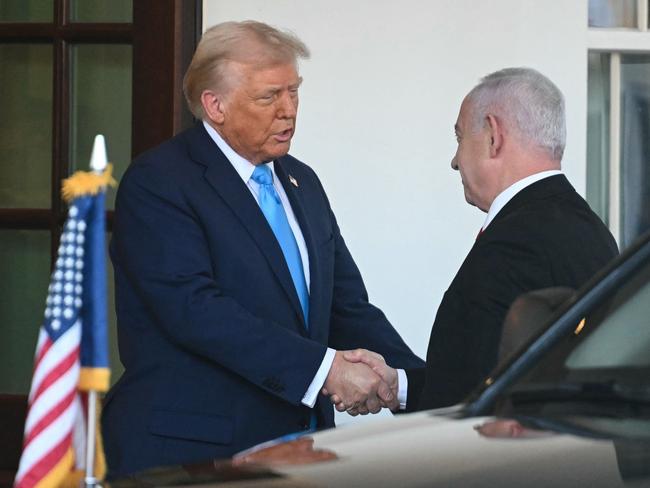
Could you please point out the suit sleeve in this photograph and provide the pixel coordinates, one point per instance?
(467, 330)
(159, 245)
(416, 377)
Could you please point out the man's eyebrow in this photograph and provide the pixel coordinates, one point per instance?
(269, 91)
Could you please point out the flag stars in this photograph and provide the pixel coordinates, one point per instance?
(65, 290)
(66, 287)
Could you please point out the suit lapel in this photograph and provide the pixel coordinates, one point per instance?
(296, 199)
(221, 175)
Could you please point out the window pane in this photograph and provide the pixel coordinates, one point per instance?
(25, 125)
(613, 13)
(25, 265)
(635, 146)
(598, 134)
(26, 10)
(101, 104)
(101, 11)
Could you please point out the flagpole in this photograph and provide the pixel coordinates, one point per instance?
(98, 162)
(90, 480)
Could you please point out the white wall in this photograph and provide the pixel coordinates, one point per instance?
(378, 104)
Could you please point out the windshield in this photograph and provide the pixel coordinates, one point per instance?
(602, 367)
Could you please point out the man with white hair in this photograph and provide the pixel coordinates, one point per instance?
(538, 232)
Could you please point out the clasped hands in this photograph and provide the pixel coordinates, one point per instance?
(360, 382)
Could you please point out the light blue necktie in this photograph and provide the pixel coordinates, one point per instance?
(273, 210)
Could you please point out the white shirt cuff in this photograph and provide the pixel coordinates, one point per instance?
(319, 380)
(402, 388)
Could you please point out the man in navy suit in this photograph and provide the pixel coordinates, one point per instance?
(538, 233)
(235, 291)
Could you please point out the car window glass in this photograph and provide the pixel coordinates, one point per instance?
(622, 339)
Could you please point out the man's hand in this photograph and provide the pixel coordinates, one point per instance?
(378, 365)
(356, 387)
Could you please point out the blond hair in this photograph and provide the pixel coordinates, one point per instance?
(248, 42)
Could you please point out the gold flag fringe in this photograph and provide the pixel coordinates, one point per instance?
(86, 183)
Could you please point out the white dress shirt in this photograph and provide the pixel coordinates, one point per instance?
(506, 195)
(499, 202)
(245, 170)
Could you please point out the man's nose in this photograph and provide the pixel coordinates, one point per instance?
(454, 164)
(287, 106)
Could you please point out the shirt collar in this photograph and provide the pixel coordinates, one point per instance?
(506, 195)
(243, 167)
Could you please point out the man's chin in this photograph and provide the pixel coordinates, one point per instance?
(279, 150)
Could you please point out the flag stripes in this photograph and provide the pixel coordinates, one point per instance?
(52, 407)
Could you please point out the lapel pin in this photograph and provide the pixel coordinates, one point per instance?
(293, 181)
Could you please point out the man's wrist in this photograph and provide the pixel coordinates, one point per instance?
(317, 383)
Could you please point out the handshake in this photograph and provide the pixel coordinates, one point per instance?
(360, 382)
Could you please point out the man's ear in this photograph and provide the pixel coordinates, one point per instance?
(495, 133)
(213, 106)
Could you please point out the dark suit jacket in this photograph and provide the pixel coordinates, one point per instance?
(545, 236)
(210, 330)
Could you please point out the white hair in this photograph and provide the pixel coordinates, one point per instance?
(529, 104)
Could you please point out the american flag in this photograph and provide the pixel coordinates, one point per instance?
(71, 354)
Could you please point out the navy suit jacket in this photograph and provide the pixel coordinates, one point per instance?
(545, 236)
(216, 354)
